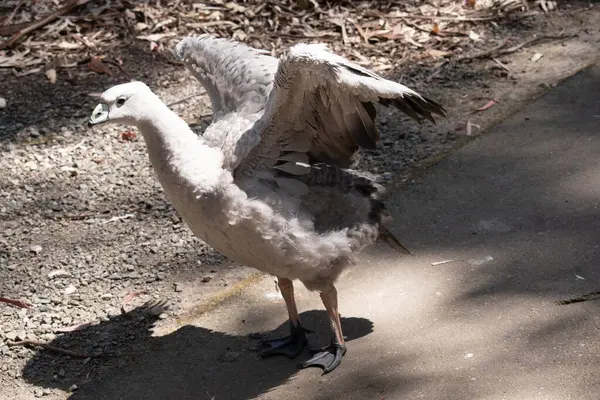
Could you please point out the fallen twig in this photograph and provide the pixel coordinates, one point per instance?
(31, 342)
(42, 22)
(118, 218)
(74, 328)
(533, 41)
(12, 14)
(488, 53)
(15, 303)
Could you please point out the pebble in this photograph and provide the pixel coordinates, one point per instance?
(106, 296)
(58, 273)
(35, 248)
(230, 356)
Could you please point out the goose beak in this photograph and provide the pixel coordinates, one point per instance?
(99, 115)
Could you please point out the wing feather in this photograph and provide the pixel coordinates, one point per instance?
(237, 77)
(326, 103)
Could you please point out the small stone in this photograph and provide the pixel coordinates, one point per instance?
(162, 315)
(206, 279)
(10, 336)
(177, 287)
(106, 296)
(230, 356)
(73, 387)
(114, 276)
(2, 102)
(35, 248)
(61, 373)
(70, 289)
(58, 273)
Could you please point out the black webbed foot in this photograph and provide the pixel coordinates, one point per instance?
(327, 358)
(290, 346)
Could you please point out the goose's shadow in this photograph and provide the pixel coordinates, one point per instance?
(190, 363)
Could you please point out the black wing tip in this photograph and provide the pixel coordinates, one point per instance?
(394, 243)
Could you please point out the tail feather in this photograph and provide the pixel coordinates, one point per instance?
(390, 239)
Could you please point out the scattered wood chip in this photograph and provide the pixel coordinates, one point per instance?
(51, 75)
(487, 105)
(15, 303)
(536, 57)
(470, 126)
(442, 262)
(31, 342)
(74, 328)
(118, 218)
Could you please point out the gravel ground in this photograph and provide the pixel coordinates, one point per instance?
(84, 222)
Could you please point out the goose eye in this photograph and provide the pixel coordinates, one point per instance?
(120, 101)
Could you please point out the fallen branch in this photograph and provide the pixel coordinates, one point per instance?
(31, 342)
(42, 22)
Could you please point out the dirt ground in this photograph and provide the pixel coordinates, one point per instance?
(84, 223)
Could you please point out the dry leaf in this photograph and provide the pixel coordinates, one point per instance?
(474, 36)
(438, 53)
(128, 136)
(98, 66)
(51, 75)
(68, 45)
(436, 29)
(470, 3)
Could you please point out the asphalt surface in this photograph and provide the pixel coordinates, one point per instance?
(516, 211)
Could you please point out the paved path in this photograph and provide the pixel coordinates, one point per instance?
(518, 212)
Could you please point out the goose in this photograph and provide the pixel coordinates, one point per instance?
(273, 182)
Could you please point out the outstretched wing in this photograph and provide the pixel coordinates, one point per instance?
(321, 110)
(237, 78)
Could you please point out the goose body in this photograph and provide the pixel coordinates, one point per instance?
(272, 182)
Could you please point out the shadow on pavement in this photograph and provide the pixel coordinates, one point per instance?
(201, 363)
